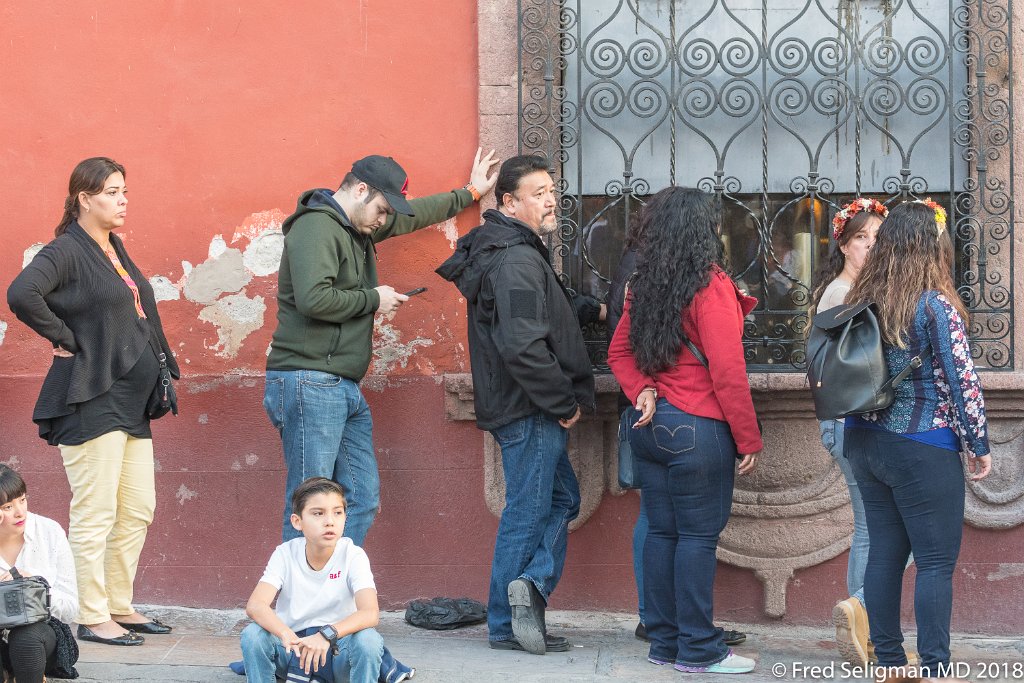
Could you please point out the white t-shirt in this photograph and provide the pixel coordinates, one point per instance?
(309, 598)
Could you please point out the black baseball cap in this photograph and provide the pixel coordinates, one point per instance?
(384, 174)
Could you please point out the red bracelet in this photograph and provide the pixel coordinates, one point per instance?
(473, 191)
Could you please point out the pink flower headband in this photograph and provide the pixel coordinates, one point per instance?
(852, 209)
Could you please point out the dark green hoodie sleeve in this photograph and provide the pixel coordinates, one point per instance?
(429, 210)
(314, 262)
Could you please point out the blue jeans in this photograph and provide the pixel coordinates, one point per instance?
(832, 440)
(639, 537)
(326, 431)
(687, 470)
(541, 497)
(265, 658)
(914, 498)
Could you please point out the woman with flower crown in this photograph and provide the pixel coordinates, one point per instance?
(906, 458)
(853, 231)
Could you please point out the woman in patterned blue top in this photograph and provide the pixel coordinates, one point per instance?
(906, 458)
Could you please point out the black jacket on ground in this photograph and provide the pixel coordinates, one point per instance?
(71, 295)
(525, 346)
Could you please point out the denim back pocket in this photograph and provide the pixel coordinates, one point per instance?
(674, 431)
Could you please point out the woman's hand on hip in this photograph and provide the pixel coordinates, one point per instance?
(646, 403)
(747, 463)
(979, 467)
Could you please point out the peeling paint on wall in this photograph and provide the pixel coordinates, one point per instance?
(263, 255)
(221, 274)
(390, 351)
(3, 331)
(450, 230)
(30, 254)
(164, 289)
(185, 494)
(236, 317)
(219, 282)
(1006, 570)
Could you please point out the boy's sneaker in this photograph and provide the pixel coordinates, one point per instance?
(398, 673)
(851, 620)
(732, 664)
(527, 615)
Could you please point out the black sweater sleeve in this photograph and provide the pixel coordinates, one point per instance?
(26, 296)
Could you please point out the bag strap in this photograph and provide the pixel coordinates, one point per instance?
(701, 358)
(914, 364)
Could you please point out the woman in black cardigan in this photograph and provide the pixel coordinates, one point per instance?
(85, 295)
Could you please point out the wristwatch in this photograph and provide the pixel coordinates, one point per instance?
(329, 633)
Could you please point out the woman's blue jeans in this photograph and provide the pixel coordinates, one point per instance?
(832, 440)
(687, 470)
(914, 499)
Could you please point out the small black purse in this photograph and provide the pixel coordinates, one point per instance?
(163, 399)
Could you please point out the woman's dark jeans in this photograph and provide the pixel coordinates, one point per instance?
(687, 468)
(914, 499)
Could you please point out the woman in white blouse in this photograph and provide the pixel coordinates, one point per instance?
(37, 546)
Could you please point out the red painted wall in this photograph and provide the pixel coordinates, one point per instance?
(223, 112)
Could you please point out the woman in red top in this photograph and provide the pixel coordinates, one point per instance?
(694, 420)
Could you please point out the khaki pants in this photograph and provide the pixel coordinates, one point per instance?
(112, 505)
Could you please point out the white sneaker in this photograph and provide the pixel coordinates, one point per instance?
(732, 664)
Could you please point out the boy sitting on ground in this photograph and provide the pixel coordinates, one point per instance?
(326, 600)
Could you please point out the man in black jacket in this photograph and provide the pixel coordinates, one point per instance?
(531, 377)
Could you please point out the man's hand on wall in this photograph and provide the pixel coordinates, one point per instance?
(478, 176)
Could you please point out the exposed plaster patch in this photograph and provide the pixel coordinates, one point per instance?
(12, 462)
(263, 255)
(3, 331)
(164, 289)
(224, 274)
(217, 247)
(258, 223)
(204, 419)
(236, 317)
(1007, 570)
(186, 269)
(30, 254)
(185, 494)
(391, 351)
(450, 230)
(232, 378)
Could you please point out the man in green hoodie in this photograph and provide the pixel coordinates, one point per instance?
(327, 296)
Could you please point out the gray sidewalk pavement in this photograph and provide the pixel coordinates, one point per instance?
(204, 641)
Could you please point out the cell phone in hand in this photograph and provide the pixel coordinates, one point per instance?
(414, 292)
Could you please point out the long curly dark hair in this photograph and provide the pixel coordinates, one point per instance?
(679, 251)
(913, 254)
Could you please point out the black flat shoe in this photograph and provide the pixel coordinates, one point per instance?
(130, 638)
(153, 627)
